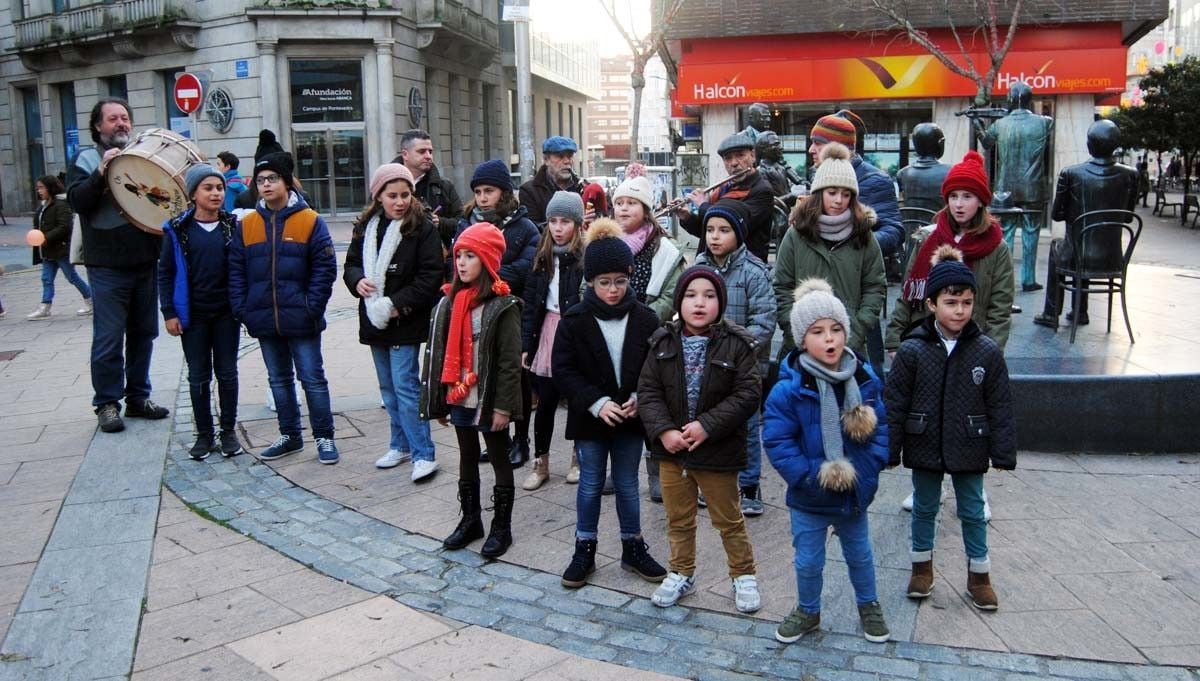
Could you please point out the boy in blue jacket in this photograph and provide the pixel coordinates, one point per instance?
(193, 287)
(281, 271)
(824, 431)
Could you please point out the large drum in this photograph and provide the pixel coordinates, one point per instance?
(147, 178)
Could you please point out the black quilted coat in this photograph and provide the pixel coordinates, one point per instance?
(950, 413)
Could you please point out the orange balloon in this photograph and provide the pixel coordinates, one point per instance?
(35, 237)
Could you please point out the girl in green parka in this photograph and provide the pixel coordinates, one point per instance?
(472, 378)
(966, 225)
(831, 239)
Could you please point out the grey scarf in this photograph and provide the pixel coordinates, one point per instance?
(836, 227)
(831, 417)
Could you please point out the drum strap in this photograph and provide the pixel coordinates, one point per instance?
(297, 228)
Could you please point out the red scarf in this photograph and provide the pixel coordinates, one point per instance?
(458, 368)
(973, 247)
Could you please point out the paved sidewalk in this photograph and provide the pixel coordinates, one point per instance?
(336, 571)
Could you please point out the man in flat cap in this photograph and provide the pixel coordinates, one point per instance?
(737, 152)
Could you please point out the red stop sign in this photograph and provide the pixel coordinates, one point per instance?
(188, 93)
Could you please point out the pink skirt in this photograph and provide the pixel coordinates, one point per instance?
(540, 364)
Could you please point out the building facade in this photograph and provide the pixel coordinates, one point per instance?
(805, 65)
(338, 82)
(610, 117)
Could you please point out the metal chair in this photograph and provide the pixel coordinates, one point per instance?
(1102, 243)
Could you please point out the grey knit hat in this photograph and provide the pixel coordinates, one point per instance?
(197, 174)
(814, 301)
(565, 205)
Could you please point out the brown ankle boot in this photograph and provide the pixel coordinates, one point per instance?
(979, 586)
(540, 473)
(920, 585)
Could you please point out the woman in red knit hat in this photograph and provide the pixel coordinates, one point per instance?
(472, 378)
(965, 224)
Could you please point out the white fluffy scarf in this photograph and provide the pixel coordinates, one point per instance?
(376, 258)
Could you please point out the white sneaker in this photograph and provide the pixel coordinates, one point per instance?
(987, 509)
(393, 458)
(86, 309)
(423, 469)
(907, 504)
(674, 587)
(745, 593)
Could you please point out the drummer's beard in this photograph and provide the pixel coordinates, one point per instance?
(118, 139)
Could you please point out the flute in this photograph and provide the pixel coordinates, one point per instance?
(678, 203)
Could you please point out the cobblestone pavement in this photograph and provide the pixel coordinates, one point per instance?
(337, 571)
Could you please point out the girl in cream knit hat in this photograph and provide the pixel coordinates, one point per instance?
(830, 238)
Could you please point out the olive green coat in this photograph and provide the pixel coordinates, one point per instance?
(499, 367)
(993, 297)
(856, 275)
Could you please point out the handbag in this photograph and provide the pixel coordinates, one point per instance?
(76, 255)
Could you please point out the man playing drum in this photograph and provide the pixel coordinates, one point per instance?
(121, 261)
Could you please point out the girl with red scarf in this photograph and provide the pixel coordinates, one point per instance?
(472, 379)
(966, 225)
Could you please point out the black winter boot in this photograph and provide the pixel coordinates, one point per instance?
(636, 558)
(500, 538)
(583, 563)
(470, 527)
(518, 452)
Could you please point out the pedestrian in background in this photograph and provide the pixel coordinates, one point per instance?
(553, 288)
(54, 219)
(227, 164)
(825, 432)
(598, 354)
(394, 266)
(950, 411)
(193, 286)
(472, 378)
(750, 305)
(698, 390)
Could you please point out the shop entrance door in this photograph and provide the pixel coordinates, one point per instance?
(331, 164)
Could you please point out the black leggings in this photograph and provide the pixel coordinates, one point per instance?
(468, 454)
(543, 427)
(521, 427)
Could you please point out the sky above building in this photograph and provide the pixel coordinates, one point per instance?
(586, 20)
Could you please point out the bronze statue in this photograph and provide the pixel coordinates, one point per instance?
(1098, 184)
(771, 163)
(1021, 142)
(921, 180)
(758, 120)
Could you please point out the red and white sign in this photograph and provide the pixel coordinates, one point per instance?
(188, 93)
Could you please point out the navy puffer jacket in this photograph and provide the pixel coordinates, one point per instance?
(281, 270)
(876, 189)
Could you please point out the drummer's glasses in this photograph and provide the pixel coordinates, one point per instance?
(266, 179)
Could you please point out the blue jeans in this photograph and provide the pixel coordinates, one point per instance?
(280, 355)
(809, 533)
(124, 326)
(625, 448)
(400, 387)
(50, 270)
(211, 342)
(748, 477)
(927, 501)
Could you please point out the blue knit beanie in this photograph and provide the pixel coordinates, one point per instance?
(493, 173)
(735, 213)
(948, 270)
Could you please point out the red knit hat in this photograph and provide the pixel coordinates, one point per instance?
(968, 175)
(486, 241)
(834, 128)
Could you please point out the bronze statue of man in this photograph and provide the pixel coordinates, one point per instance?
(921, 180)
(1098, 184)
(1021, 142)
(758, 120)
(769, 150)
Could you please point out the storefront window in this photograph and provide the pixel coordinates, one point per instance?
(885, 143)
(326, 90)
